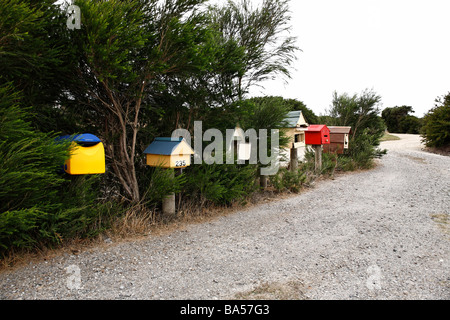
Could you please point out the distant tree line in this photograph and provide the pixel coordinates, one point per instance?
(436, 124)
(400, 120)
(434, 127)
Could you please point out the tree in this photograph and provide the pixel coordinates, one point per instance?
(125, 48)
(310, 116)
(436, 124)
(289, 105)
(29, 159)
(399, 120)
(183, 98)
(29, 179)
(361, 113)
(410, 124)
(35, 55)
(154, 66)
(264, 35)
(358, 111)
(38, 203)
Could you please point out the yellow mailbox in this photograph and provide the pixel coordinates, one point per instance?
(169, 153)
(87, 155)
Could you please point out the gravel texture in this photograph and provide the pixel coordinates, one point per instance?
(378, 234)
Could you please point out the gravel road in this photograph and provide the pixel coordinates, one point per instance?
(378, 234)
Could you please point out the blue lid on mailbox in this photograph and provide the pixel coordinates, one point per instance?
(85, 139)
(163, 146)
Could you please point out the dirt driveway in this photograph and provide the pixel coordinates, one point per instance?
(379, 234)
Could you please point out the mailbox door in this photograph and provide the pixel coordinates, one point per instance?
(155, 160)
(312, 138)
(337, 137)
(325, 137)
(86, 160)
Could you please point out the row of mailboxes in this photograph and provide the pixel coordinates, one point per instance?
(88, 153)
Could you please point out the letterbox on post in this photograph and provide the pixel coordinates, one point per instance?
(317, 134)
(169, 153)
(339, 140)
(295, 130)
(87, 155)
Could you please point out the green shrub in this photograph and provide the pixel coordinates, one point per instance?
(286, 180)
(346, 163)
(18, 227)
(81, 213)
(363, 150)
(37, 203)
(220, 184)
(328, 162)
(161, 183)
(436, 124)
(360, 155)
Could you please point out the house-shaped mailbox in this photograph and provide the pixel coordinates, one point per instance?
(240, 145)
(339, 140)
(169, 153)
(317, 134)
(87, 155)
(295, 129)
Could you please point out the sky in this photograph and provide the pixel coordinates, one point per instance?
(400, 49)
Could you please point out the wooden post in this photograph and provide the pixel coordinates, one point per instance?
(318, 158)
(294, 159)
(263, 181)
(168, 202)
(180, 172)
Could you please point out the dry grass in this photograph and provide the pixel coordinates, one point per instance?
(389, 137)
(415, 159)
(443, 151)
(443, 222)
(136, 222)
(17, 258)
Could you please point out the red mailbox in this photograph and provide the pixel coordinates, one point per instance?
(317, 134)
